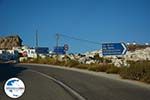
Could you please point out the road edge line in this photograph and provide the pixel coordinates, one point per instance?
(73, 92)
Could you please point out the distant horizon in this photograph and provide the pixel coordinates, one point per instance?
(130, 43)
(93, 20)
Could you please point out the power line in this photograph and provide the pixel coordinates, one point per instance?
(79, 39)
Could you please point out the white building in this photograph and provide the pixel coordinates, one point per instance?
(31, 53)
(26, 51)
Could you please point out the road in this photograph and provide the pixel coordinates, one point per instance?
(49, 83)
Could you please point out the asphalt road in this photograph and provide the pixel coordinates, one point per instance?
(47, 83)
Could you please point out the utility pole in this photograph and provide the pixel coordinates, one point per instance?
(57, 39)
(36, 38)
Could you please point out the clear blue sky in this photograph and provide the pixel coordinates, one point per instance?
(96, 20)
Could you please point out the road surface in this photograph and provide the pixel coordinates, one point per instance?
(49, 83)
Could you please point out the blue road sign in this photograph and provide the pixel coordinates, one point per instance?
(42, 50)
(59, 50)
(113, 49)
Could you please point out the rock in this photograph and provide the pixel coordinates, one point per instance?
(143, 54)
(90, 62)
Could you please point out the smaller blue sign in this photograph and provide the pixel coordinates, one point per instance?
(42, 50)
(59, 50)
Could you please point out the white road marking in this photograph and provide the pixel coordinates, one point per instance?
(73, 92)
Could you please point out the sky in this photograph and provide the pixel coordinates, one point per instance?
(100, 21)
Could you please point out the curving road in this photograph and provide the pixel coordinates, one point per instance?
(49, 83)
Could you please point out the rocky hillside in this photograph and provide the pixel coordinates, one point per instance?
(10, 41)
(137, 47)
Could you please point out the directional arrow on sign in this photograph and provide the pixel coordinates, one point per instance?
(124, 48)
(114, 49)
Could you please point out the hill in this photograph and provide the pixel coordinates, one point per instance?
(10, 41)
(137, 47)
